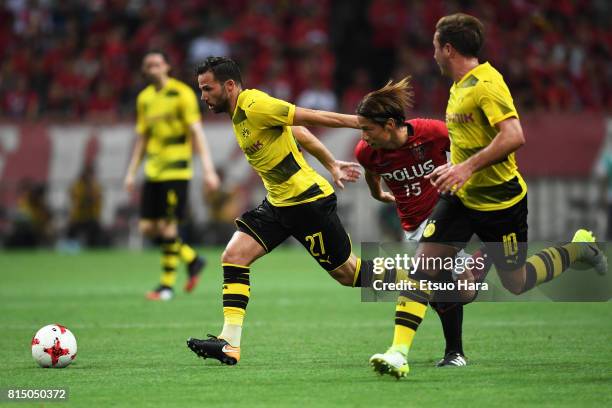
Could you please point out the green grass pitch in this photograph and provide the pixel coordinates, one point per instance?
(306, 340)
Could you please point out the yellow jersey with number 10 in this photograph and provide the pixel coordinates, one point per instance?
(479, 101)
(262, 125)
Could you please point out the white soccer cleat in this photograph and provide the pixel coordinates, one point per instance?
(392, 362)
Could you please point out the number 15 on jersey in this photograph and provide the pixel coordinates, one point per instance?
(413, 189)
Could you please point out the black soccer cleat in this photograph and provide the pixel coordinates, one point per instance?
(452, 359)
(216, 348)
(194, 271)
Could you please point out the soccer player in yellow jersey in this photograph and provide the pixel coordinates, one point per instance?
(482, 190)
(168, 123)
(300, 202)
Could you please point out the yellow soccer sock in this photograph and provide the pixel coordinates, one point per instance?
(549, 263)
(187, 253)
(364, 274)
(169, 261)
(236, 293)
(409, 312)
(408, 316)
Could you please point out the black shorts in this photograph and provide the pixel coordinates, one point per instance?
(504, 232)
(164, 200)
(316, 225)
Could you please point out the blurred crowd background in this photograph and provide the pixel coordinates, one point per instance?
(74, 59)
(77, 62)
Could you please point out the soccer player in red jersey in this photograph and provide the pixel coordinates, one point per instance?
(402, 152)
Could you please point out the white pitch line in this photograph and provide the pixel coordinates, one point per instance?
(345, 325)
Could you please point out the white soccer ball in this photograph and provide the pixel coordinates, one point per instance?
(54, 346)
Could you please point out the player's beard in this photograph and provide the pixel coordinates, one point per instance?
(443, 68)
(222, 105)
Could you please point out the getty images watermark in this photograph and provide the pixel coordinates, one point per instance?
(478, 271)
(403, 262)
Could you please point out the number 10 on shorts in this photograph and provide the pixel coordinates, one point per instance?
(510, 245)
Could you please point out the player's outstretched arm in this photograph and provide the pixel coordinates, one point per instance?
(200, 144)
(137, 155)
(341, 171)
(311, 117)
(450, 178)
(373, 181)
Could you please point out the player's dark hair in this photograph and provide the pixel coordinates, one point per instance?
(464, 32)
(157, 52)
(388, 102)
(222, 68)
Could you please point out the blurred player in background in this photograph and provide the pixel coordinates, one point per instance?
(402, 152)
(300, 202)
(168, 123)
(482, 190)
(85, 209)
(603, 171)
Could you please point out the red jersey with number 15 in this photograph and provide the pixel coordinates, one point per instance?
(403, 169)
